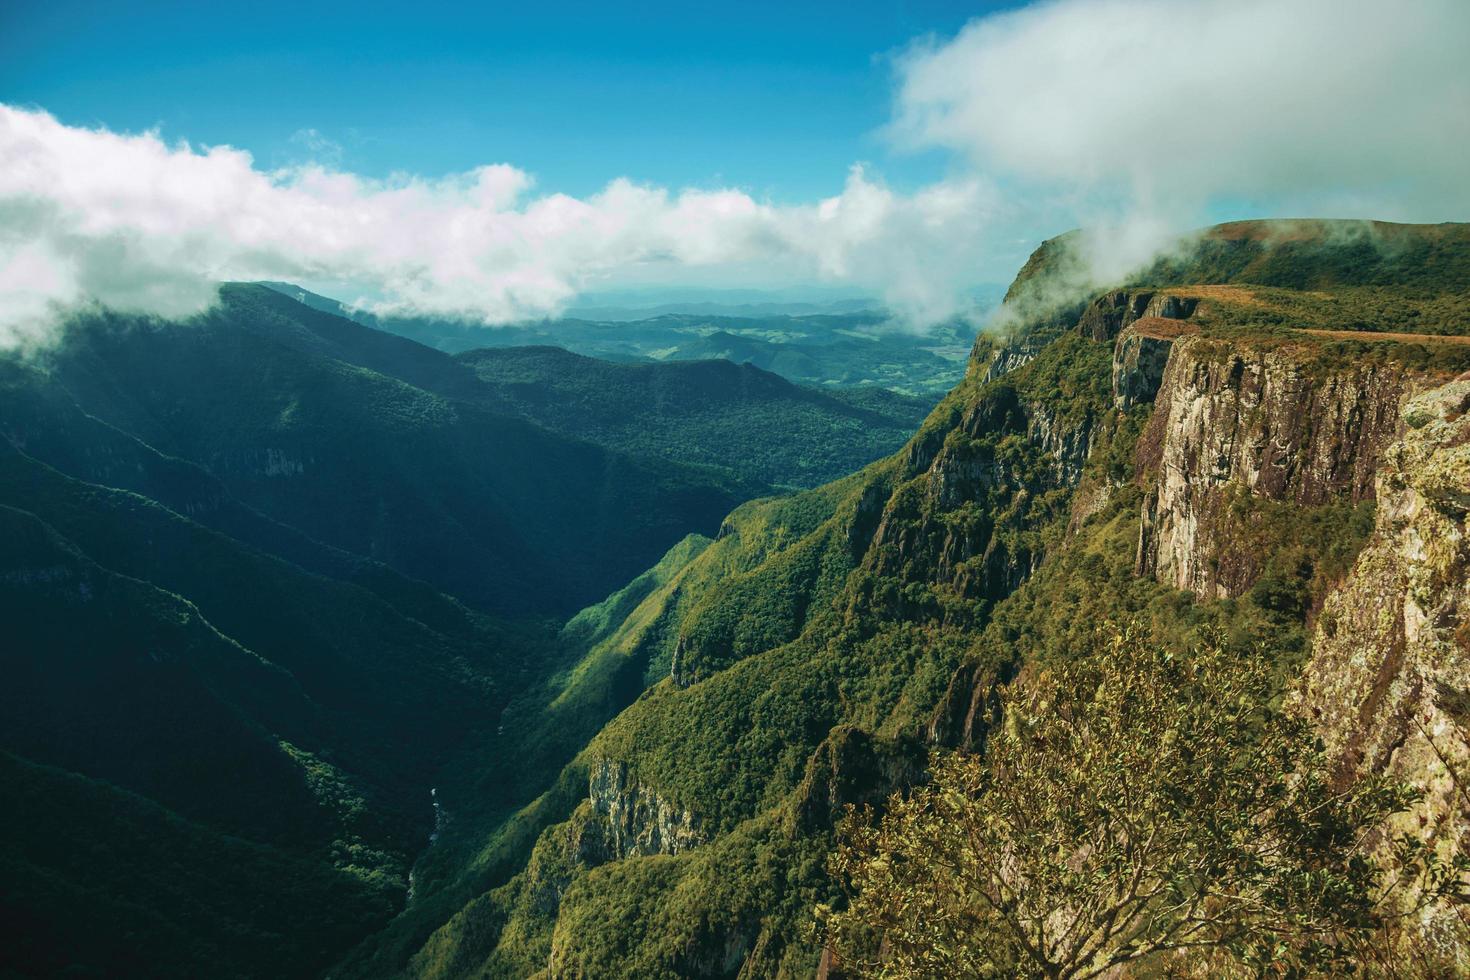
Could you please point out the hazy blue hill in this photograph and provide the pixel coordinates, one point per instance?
(394, 691)
(115, 677)
(859, 347)
(281, 731)
(903, 362)
(312, 330)
(491, 508)
(43, 420)
(715, 412)
(755, 424)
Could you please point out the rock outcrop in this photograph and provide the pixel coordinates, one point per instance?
(970, 706)
(942, 529)
(1139, 359)
(1064, 443)
(1268, 421)
(1012, 356)
(854, 767)
(638, 821)
(1111, 313)
(1388, 684)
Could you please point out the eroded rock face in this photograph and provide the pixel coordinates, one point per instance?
(1111, 313)
(581, 842)
(1064, 443)
(637, 820)
(1139, 359)
(1388, 684)
(970, 706)
(1014, 355)
(1106, 316)
(1267, 422)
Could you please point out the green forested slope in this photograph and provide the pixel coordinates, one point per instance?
(96, 881)
(495, 510)
(715, 412)
(813, 671)
(197, 813)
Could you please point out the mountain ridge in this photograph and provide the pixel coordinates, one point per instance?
(1007, 527)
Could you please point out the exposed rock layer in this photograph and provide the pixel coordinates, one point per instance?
(1388, 684)
(638, 820)
(1266, 422)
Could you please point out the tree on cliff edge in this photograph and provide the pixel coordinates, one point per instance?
(1134, 808)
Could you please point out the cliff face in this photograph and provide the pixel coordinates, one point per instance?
(1108, 315)
(1139, 359)
(1270, 423)
(963, 520)
(853, 768)
(1388, 684)
(635, 820)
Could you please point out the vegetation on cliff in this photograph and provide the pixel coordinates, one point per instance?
(1134, 808)
(812, 675)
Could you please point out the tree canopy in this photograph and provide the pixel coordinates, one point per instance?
(1131, 805)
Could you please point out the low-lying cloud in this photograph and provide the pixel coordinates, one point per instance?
(1139, 117)
(136, 224)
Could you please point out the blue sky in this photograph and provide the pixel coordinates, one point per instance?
(777, 98)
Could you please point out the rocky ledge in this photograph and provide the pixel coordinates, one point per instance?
(635, 819)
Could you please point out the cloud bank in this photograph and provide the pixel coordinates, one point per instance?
(136, 224)
(1162, 106)
(1141, 117)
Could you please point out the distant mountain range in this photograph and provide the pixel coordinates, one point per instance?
(644, 304)
(712, 412)
(821, 349)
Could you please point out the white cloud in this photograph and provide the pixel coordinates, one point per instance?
(1141, 117)
(1170, 107)
(136, 224)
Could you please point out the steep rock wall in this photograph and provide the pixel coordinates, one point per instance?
(637, 821)
(1139, 359)
(1388, 684)
(1111, 313)
(1265, 421)
(1012, 356)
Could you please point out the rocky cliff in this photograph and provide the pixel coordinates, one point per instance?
(1108, 315)
(1139, 359)
(635, 819)
(1272, 422)
(1388, 684)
